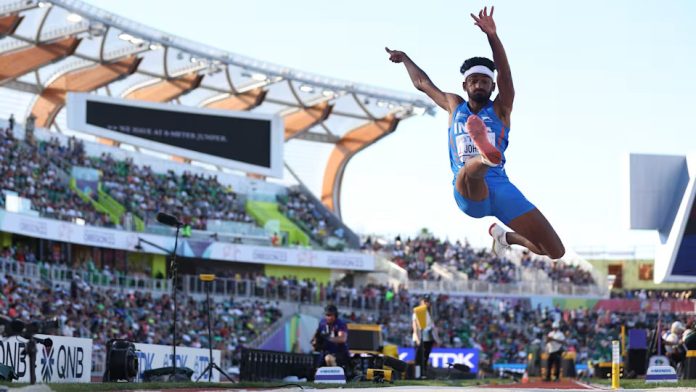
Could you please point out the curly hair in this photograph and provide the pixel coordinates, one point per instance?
(474, 61)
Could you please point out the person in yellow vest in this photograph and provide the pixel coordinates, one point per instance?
(424, 338)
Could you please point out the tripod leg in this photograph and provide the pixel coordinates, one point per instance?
(221, 371)
(208, 369)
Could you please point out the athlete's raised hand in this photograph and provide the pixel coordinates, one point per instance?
(396, 56)
(485, 21)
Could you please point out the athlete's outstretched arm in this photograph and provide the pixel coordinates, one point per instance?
(422, 82)
(506, 90)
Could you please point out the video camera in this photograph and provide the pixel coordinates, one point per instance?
(27, 330)
(319, 340)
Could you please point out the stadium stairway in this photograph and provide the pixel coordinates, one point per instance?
(264, 212)
(352, 239)
(116, 219)
(117, 208)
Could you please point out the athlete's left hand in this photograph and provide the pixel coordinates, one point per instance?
(484, 21)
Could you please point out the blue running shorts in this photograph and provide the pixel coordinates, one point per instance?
(504, 201)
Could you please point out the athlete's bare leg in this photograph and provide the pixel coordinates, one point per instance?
(471, 181)
(535, 233)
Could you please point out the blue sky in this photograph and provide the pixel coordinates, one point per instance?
(594, 81)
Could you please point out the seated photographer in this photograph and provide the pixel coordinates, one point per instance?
(674, 347)
(330, 339)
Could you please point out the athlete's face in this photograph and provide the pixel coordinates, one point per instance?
(479, 87)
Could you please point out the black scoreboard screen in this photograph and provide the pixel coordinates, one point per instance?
(245, 141)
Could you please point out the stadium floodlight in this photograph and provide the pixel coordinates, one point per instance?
(74, 18)
(258, 76)
(306, 88)
(125, 36)
(418, 110)
(155, 46)
(44, 4)
(328, 93)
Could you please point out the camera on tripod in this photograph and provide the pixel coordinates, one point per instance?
(28, 330)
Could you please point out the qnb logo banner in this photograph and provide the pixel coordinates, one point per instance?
(68, 360)
(440, 357)
(153, 356)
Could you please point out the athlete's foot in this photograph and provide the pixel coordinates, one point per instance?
(500, 244)
(476, 128)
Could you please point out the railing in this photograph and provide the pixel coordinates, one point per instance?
(519, 289)
(342, 297)
(64, 275)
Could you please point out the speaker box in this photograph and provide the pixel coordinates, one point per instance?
(121, 361)
(636, 362)
(395, 363)
(7, 373)
(166, 374)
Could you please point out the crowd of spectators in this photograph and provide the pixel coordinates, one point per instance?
(505, 330)
(643, 294)
(559, 272)
(312, 218)
(98, 314)
(193, 197)
(40, 171)
(33, 172)
(419, 256)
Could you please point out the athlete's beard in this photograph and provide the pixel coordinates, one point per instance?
(479, 98)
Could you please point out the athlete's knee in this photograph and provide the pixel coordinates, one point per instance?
(557, 251)
(475, 168)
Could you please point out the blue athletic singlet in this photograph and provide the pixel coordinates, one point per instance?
(462, 148)
(504, 201)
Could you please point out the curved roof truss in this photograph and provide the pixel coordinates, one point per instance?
(48, 48)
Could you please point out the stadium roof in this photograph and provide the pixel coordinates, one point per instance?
(48, 48)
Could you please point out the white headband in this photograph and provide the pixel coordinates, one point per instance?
(479, 69)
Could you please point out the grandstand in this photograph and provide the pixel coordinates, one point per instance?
(79, 238)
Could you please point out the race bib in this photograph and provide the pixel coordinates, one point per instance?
(466, 147)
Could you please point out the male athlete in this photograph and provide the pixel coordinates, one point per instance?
(478, 137)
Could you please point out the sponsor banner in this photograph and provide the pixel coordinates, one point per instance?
(119, 239)
(522, 367)
(68, 360)
(153, 356)
(647, 306)
(440, 357)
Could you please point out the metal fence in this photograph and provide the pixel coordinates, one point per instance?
(519, 289)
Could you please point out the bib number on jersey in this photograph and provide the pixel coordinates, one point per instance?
(466, 147)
